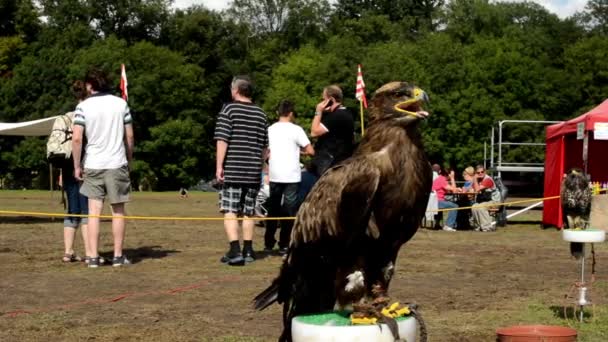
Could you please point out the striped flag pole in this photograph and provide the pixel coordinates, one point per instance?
(124, 83)
(360, 95)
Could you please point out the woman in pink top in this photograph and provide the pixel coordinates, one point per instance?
(442, 184)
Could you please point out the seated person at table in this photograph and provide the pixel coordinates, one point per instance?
(441, 186)
(487, 193)
(436, 169)
(468, 175)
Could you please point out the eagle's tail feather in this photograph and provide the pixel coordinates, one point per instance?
(267, 297)
(577, 249)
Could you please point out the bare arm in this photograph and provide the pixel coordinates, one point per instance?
(129, 141)
(452, 185)
(77, 133)
(308, 149)
(316, 129)
(266, 154)
(476, 185)
(221, 147)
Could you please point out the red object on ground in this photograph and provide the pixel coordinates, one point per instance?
(536, 333)
(564, 151)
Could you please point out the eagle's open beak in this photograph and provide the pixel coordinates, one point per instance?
(413, 106)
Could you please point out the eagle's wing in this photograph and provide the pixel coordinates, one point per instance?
(339, 202)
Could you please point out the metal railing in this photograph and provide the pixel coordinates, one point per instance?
(502, 166)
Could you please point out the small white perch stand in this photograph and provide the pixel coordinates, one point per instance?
(335, 327)
(583, 236)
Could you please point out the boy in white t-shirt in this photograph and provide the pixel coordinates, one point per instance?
(285, 141)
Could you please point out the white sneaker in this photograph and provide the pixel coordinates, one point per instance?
(448, 229)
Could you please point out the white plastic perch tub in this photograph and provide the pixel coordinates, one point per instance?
(585, 236)
(335, 327)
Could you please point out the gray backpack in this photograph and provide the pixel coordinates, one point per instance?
(59, 144)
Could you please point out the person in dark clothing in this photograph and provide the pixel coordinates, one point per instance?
(333, 126)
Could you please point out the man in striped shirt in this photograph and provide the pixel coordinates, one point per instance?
(242, 139)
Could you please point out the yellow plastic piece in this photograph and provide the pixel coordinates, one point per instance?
(403, 312)
(364, 320)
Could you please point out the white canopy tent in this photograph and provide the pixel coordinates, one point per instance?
(33, 128)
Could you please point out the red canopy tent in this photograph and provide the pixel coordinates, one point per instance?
(565, 150)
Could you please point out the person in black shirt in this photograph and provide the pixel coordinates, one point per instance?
(333, 126)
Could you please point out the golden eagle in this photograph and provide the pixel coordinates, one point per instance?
(576, 204)
(349, 230)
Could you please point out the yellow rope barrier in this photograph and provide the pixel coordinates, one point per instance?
(168, 218)
(128, 217)
(494, 204)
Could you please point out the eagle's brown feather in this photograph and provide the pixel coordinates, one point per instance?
(326, 212)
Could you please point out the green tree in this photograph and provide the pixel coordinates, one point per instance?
(9, 53)
(179, 153)
(418, 13)
(595, 17)
(64, 13)
(210, 42)
(8, 11)
(132, 20)
(295, 21)
(587, 69)
(26, 161)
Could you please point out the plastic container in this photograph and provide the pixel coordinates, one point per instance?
(335, 327)
(585, 236)
(536, 333)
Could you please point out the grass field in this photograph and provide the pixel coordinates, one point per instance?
(467, 284)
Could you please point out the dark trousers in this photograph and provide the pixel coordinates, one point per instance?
(77, 203)
(288, 194)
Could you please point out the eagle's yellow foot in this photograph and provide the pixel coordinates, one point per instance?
(378, 311)
(394, 311)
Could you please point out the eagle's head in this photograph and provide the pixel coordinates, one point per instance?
(576, 180)
(398, 101)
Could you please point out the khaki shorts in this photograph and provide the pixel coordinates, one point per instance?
(113, 184)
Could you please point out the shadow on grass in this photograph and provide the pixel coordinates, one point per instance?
(569, 313)
(259, 255)
(145, 252)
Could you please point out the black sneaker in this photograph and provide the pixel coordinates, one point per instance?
(249, 256)
(120, 261)
(233, 260)
(282, 250)
(101, 260)
(93, 262)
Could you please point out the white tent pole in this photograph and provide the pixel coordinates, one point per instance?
(522, 210)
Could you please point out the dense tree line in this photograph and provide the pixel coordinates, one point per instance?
(480, 61)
